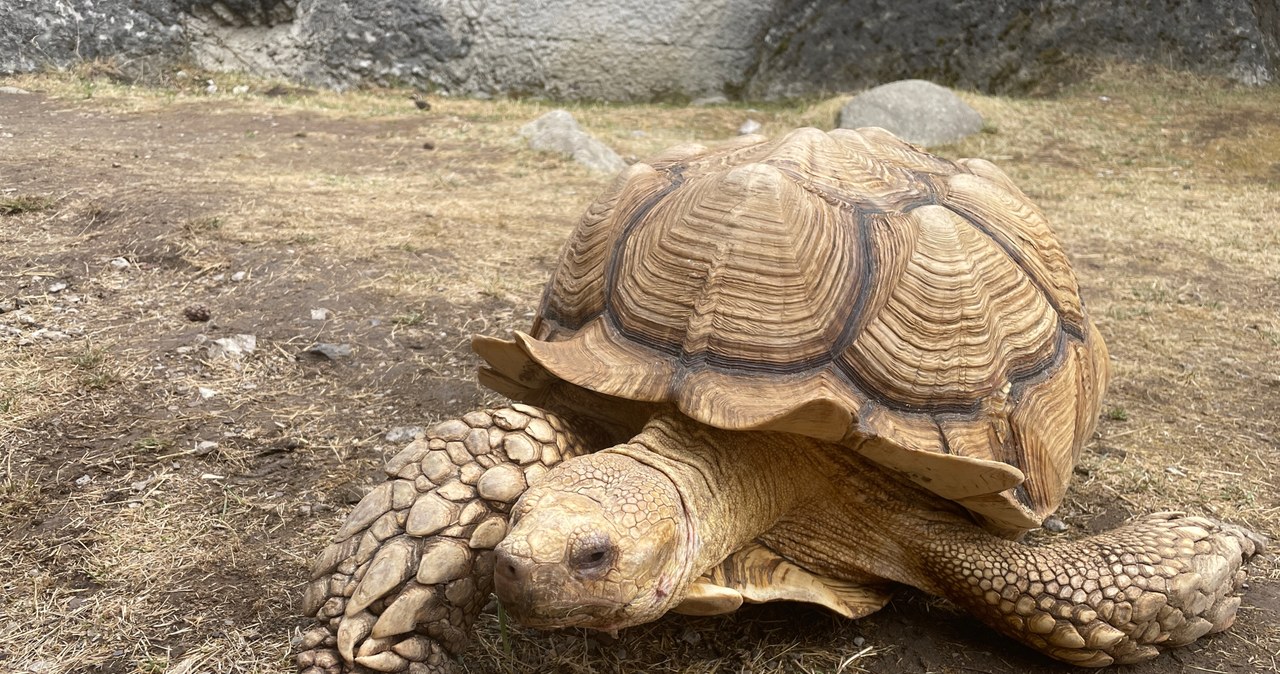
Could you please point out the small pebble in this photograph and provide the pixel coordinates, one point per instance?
(330, 351)
(51, 335)
(1054, 524)
(234, 347)
(238, 276)
(319, 314)
(196, 313)
(748, 127)
(403, 433)
(119, 264)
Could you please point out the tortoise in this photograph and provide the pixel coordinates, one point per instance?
(813, 369)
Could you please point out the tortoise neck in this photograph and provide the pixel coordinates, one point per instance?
(733, 486)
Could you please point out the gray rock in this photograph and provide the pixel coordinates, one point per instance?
(14, 91)
(557, 131)
(748, 127)
(916, 111)
(401, 434)
(579, 49)
(1054, 524)
(330, 351)
(41, 33)
(235, 347)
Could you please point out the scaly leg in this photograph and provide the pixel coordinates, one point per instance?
(405, 576)
(1118, 597)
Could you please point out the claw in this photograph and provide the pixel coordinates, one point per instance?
(393, 564)
(353, 630)
(404, 613)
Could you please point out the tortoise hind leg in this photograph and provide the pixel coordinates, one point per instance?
(1118, 597)
(405, 576)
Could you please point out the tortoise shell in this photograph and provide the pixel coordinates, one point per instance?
(846, 286)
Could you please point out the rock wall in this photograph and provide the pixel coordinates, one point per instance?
(579, 49)
(833, 45)
(608, 49)
(35, 34)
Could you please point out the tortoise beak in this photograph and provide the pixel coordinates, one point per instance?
(511, 574)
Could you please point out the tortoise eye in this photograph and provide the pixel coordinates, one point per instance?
(593, 554)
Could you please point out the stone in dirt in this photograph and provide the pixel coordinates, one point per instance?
(557, 131)
(196, 313)
(916, 111)
(233, 348)
(329, 351)
(404, 433)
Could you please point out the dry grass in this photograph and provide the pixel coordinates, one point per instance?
(136, 549)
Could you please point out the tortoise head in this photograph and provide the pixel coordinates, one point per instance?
(601, 542)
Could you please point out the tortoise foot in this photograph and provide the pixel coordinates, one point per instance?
(1121, 597)
(404, 578)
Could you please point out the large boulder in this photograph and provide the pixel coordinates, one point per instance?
(557, 131)
(916, 111)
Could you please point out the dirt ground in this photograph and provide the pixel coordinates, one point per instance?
(159, 504)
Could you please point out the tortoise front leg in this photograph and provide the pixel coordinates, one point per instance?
(404, 578)
(1118, 597)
